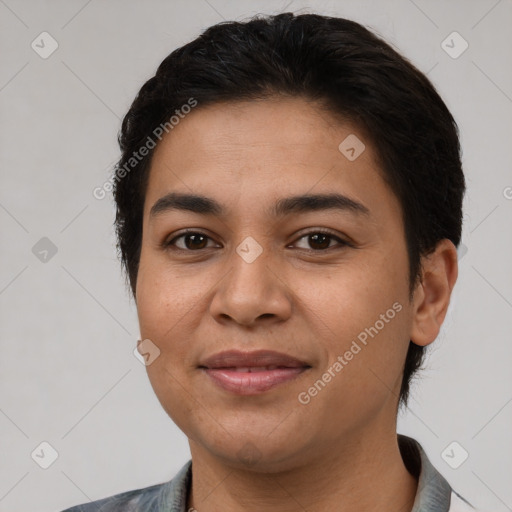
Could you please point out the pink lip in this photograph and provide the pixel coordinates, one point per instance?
(252, 383)
(247, 373)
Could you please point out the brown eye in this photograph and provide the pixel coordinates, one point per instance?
(196, 241)
(321, 241)
(191, 241)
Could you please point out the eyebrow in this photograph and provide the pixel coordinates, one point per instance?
(284, 206)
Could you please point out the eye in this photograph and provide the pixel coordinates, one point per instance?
(321, 240)
(192, 241)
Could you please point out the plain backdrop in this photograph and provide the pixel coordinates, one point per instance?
(68, 327)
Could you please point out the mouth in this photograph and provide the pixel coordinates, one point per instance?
(252, 373)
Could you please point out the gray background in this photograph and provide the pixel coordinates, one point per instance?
(68, 329)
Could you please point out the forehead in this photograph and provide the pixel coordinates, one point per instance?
(257, 127)
(256, 150)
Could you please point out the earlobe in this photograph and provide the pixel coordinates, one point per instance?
(432, 294)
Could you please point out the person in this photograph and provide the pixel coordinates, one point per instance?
(288, 208)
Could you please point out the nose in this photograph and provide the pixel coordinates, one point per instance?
(252, 291)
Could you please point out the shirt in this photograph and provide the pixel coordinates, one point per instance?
(433, 494)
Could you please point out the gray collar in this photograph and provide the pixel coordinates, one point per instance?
(434, 492)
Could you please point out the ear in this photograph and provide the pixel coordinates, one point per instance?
(432, 293)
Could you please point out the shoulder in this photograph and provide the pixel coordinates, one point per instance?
(130, 501)
(147, 499)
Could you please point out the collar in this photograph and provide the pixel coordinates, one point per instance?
(433, 492)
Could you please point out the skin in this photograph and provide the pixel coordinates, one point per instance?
(339, 451)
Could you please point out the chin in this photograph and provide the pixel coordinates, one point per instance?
(252, 452)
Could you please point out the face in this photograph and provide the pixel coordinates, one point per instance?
(323, 282)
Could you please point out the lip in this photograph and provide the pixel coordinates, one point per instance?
(252, 373)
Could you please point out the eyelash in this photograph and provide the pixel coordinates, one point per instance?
(341, 243)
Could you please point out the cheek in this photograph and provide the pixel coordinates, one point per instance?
(163, 298)
(169, 307)
(363, 372)
(365, 314)
(162, 309)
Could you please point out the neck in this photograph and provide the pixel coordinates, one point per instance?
(365, 475)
